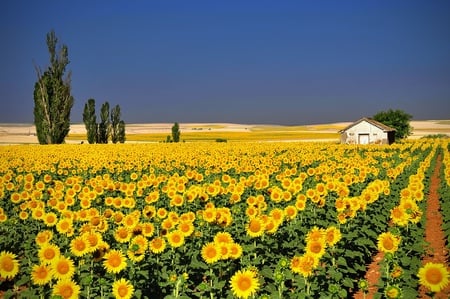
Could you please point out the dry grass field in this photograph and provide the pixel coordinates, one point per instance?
(157, 132)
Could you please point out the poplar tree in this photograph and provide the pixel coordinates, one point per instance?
(90, 120)
(52, 96)
(121, 131)
(176, 133)
(103, 127)
(115, 120)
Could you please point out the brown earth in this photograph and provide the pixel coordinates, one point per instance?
(434, 235)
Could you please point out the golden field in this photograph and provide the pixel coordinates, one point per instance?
(157, 132)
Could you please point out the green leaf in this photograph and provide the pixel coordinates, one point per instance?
(342, 261)
(342, 293)
(348, 282)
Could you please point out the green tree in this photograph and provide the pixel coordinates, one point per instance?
(397, 119)
(115, 121)
(103, 126)
(176, 132)
(52, 96)
(90, 120)
(121, 133)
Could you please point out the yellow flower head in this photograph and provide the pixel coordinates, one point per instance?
(62, 268)
(210, 253)
(255, 227)
(122, 289)
(434, 276)
(157, 245)
(48, 253)
(175, 238)
(9, 266)
(67, 289)
(114, 261)
(388, 242)
(41, 274)
(244, 283)
(223, 237)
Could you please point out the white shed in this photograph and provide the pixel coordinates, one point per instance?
(367, 131)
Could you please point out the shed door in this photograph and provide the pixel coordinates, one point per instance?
(363, 138)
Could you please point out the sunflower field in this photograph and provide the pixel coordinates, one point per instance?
(215, 220)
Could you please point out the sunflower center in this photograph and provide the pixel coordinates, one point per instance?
(114, 261)
(80, 245)
(244, 283)
(211, 252)
(49, 254)
(434, 276)
(7, 264)
(255, 226)
(123, 291)
(66, 292)
(41, 272)
(63, 268)
(316, 247)
(388, 243)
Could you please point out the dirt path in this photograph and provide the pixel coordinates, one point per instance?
(434, 235)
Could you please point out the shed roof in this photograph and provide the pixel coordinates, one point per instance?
(370, 121)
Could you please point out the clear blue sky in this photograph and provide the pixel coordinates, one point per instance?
(278, 62)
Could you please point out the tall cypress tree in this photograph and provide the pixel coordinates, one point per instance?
(52, 96)
(90, 120)
(115, 120)
(103, 127)
(121, 131)
(176, 132)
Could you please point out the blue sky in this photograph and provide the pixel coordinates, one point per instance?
(277, 62)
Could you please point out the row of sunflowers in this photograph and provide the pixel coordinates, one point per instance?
(198, 220)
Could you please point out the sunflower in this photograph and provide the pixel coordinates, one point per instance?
(244, 283)
(316, 248)
(223, 237)
(209, 214)
(315, 234)
(277, 215)
(122, 234)
(62, 268)
(304, 264)
(122, 289)
(157, 245)
(148, 229)
(290, 212)
(43, 237)
(235, 250)
(66, 289)
(65, 227)
(332, 235)
(393, 292)
(175, 238)
(388, 242)
(114, 261)
(224, 250)
(186, 228)
(94, 239)
(434, 276)
(255, 227)
(399, 216)
(41, 274)
(210, 252)
(167, 224)
(79, 245)
(9, 266)
(100, 252)
(48, 253)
